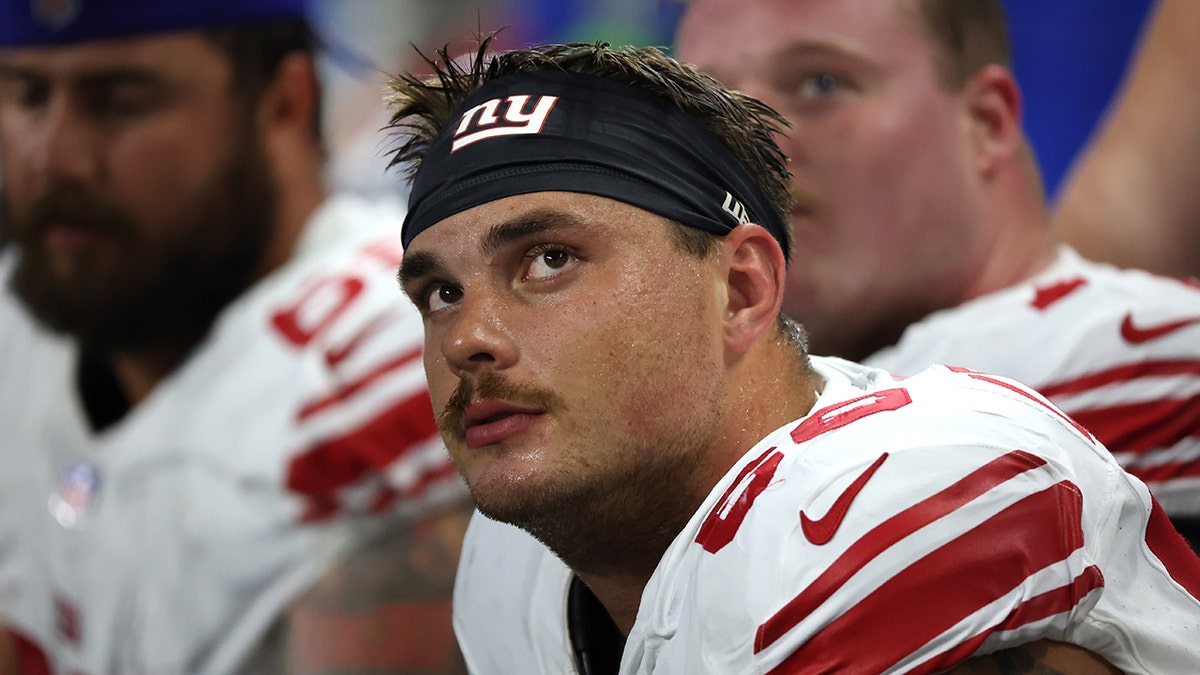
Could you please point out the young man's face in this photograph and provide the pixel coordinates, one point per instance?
(880, 152)
(573, 353)
(133, 184)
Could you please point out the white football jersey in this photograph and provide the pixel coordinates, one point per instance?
(171, 541)
(1117, 350)
(900, 527)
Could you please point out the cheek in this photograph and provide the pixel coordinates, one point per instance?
(887, 171)
(644, 354)
(440, 380)
(18, 158)
(162, 169)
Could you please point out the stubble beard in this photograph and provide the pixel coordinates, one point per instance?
(620, 522)
(613, 517)
(153, 295)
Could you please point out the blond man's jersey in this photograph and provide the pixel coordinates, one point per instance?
(171, 541)
(901, 527)
(1117, 350)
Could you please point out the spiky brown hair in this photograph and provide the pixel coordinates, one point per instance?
(422, 106)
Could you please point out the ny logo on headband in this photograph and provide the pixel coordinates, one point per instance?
(515, 120)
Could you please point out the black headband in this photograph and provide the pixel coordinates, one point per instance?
(552, 130)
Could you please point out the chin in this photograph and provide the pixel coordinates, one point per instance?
(517, 500)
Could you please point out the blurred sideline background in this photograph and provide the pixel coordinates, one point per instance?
(1069, 56)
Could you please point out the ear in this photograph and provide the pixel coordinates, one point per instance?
(993, 108)
(754, 269)
(288, 109)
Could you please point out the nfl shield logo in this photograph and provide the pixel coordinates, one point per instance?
(77, 494)
(55, 14)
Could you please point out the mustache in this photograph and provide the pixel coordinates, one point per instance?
(76, 208)
(494, 386)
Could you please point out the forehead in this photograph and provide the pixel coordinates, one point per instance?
(540, 212)
(186, 55)
(743, 34)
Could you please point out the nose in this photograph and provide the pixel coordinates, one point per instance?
(478, 337)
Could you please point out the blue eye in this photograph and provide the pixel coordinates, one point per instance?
(821, 84)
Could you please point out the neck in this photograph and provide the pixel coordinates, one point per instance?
(1014, 257)
(1021, 243)
(768, 389)
(138, 373)
(298, 201)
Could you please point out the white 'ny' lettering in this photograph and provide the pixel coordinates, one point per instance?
(488, 125)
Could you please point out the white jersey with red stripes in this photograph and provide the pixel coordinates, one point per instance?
(171, 541)
(899, 528)
(1118, 350)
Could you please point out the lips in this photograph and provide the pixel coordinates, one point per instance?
(492, 421)
(71, 238)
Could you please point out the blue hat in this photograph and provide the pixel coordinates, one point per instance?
(50, 22)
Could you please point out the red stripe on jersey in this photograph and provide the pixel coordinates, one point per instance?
(1120, 374)
(1162, 473)
(1141, 427)
(948, 585)
(351, 388)
(727, 515)
(840, 414)
(1166, 543)
(436, 474)
(887, 534)
(339, 462)
(31, 660)
(1044, 296)
(1035, 609)
(68, 619)
(984, 377)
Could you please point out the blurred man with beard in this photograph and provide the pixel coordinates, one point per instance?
(217, 440)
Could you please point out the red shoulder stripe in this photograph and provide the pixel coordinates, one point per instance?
(1039, 607)
(353, 387)
(1118, 374)
(341, 461)
(949, 584)
(1171, 548)
(31, 660)
(1142, 427)
(887, 534)
(1166, 471)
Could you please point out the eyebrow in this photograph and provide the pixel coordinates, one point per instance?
(537, 221)
(98, 80)
(104, 74)
(532, 222)
(418, 265)
(119, 76)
